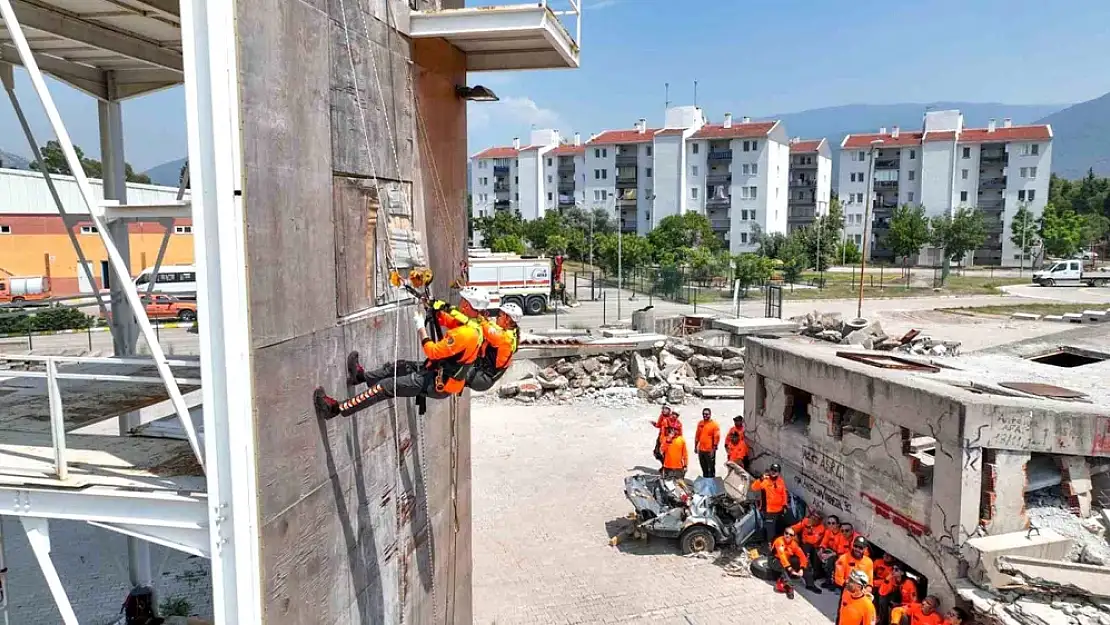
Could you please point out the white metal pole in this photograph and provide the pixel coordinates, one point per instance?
(212, 115)
(96, 214)
(57, 421)
(38, 534)
(620, 260)
(3, 579)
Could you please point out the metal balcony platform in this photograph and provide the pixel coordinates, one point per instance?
(513, 37)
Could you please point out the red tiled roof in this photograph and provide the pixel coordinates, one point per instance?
(531, 148)
(864, 141)
(1013, 133)
(624, 136)
(939, 135)
(497, 153)
(736, 131)
(806, 146)
(564, 150)
(670, 132)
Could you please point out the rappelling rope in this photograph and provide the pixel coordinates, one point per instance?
(387, 252)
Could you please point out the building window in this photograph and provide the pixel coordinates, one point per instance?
(1030, 194)
(597, 153)
(604, 195)
(694, 170)
(1032, 172)
(861, 156)
(745, 169)
(648, 172)
(5, 229)
(693, 193)
(909, 196)
(695, 148)
(597, 174)
(859, 198)
(967, 152)
(649, 150)
(1034, 149)
(963, 174)
(913, 154)
(963, 196)
(516, 196)
(1021, 195)
(859, 239)
(549, 162)
(183, 230)
(755, 146)
(743, 237)
(755, 168)
(549, 197)
(1024, 172)
(89, 230)
(913, 173)
(516, 179)
(549, 180)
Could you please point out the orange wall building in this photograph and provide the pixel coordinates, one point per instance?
(32, 233)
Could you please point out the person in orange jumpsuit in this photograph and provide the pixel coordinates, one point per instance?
(735, 444)
(856, 605)
(811, 531)
(501, 339)
(443, 373)
(898, 589)
(706, 440)
(675, 456)
(924, 613)
(837, 542)
(882, 568)
(855, 560)
(775, 500)
(790, 562)
(667, 418)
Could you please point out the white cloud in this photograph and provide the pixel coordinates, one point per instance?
(594, 5)
(511, 112)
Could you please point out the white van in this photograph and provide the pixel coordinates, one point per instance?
(179, 280)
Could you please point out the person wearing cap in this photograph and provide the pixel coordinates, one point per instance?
(735, 444)
(855, 560)
(706, 440)
(856, 605)
(790, 562)
(501, 339)
(443, 372)
(675, 457)
(667, 418)
(774, 501)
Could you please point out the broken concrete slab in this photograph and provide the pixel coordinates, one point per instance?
(1095, 315)
(719, 392)
(982, 553)
(1026, 316)
(1082, 579)
(1073, 317)
(1053, 318)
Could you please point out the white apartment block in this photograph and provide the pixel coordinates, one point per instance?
(942, 167)
(530, 180)
(620, 175)
(810, 182)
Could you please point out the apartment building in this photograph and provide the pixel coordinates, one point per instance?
(542, 176)
(620, 175)
(494, 180)
(942, 167)
(810, 182)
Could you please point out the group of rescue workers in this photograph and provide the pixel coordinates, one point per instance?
(872, 592)
(475, 350)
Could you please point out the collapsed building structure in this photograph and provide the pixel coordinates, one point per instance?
(932, 459)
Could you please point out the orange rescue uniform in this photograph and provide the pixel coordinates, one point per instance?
(500, 345)
(783, 550)
(735, 445)
(917, 617)
(845, 564)
(809, 534)
(674, 454)
(774, 493)
(453, 355)
(856, 611)
(708, 435)
(666, 421)
(882, 572)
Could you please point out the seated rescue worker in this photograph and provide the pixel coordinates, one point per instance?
(501, 339)
(790, 562)
(882, 568)
(827, 550)
(855, 560)
(443, 372)
(810, 532)
(666, 419)
(898, 589)
(735, 444)
(957, 616)
(924, 613)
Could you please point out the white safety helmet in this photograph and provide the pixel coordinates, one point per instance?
(513, 310)
(859, 577)
(476, 296)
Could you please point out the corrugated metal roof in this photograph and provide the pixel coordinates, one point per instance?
(25, 193)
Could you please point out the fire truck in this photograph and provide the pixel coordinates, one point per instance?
(524, 280)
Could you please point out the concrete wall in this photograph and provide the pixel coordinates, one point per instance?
(344, 532)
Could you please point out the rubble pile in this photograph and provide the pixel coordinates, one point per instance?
(869, 335)
(670, 373)
(1050, 510)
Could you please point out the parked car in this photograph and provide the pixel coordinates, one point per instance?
(701, 513)
(1071, 273)
(168, 307)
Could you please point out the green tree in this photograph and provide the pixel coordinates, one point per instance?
(537, 231)
(703, 265)
(752, 269)
(822, 237)
(770, 245)
(848, 252)
(634, 253)
(683, 232)
(499, 224)
(1095, 228)
(909, 231)
(55, 160)
(794, 256)
(509, 243)
(1061, 231)
(556, 244)
(958, 234)
(1024, 230)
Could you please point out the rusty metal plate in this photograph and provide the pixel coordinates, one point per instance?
(884, 361)
(1043, 390)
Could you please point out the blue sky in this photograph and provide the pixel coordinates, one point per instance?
(750, 57)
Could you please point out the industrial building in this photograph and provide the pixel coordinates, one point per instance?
(924, 455)
(33, 239)
(943, 167)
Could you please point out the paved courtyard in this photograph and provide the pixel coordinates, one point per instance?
(548, 492)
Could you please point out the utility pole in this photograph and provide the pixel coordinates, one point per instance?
(866, 222)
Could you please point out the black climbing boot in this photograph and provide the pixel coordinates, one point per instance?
(355, 373)
(326, 407)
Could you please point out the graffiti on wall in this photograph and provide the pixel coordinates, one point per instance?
(1102, 436)
(820, 492)
(885, 511)
(817, 461)
(823, 477)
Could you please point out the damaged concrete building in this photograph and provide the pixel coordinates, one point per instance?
(925, 456)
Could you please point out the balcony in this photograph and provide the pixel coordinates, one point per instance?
(886, 184)
(626, 203)
(803, 163)
(806, 184)
(501, 188)
(992, 183)
(500, 170)
(626, 160)
(566, 186)
(718, 202)
(801, 213)
(718, 156)
(887, 163)
(628, 224)
(714, 178)
(994, 156)
(720, 225)
(626, 182)
(566, 165)
(501, 205)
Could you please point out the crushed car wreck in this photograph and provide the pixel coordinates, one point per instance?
(701, 513)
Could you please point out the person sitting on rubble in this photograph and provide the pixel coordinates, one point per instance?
(827, 549)
(774, 501)
(790, 562)
(736, 445)
(501, 340)
(925, 613)
(811, 531)
(675, 457)
(855, 560)
(667, 418)
(443, 373)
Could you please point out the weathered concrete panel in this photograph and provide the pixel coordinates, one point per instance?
(356, 207)
(286, 155)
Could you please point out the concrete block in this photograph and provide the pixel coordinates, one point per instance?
(719, 392)
(1053, 318)
(1073, 317)
(1026, 316)
(982, 552)
(1076, 476)
(1095, 315)
(1085, 579)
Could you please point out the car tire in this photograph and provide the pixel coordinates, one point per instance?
(535, 305)
(187, 315)
(17, 300)
(1048, 282)
(761, 569)
(697, 539)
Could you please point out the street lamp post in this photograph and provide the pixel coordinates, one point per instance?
(867, 222)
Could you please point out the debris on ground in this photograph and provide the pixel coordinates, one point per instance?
(667, 374)
(735, 562)
(867, 334)
(1048, 509)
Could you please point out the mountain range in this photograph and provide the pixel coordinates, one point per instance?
(1081, 132)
